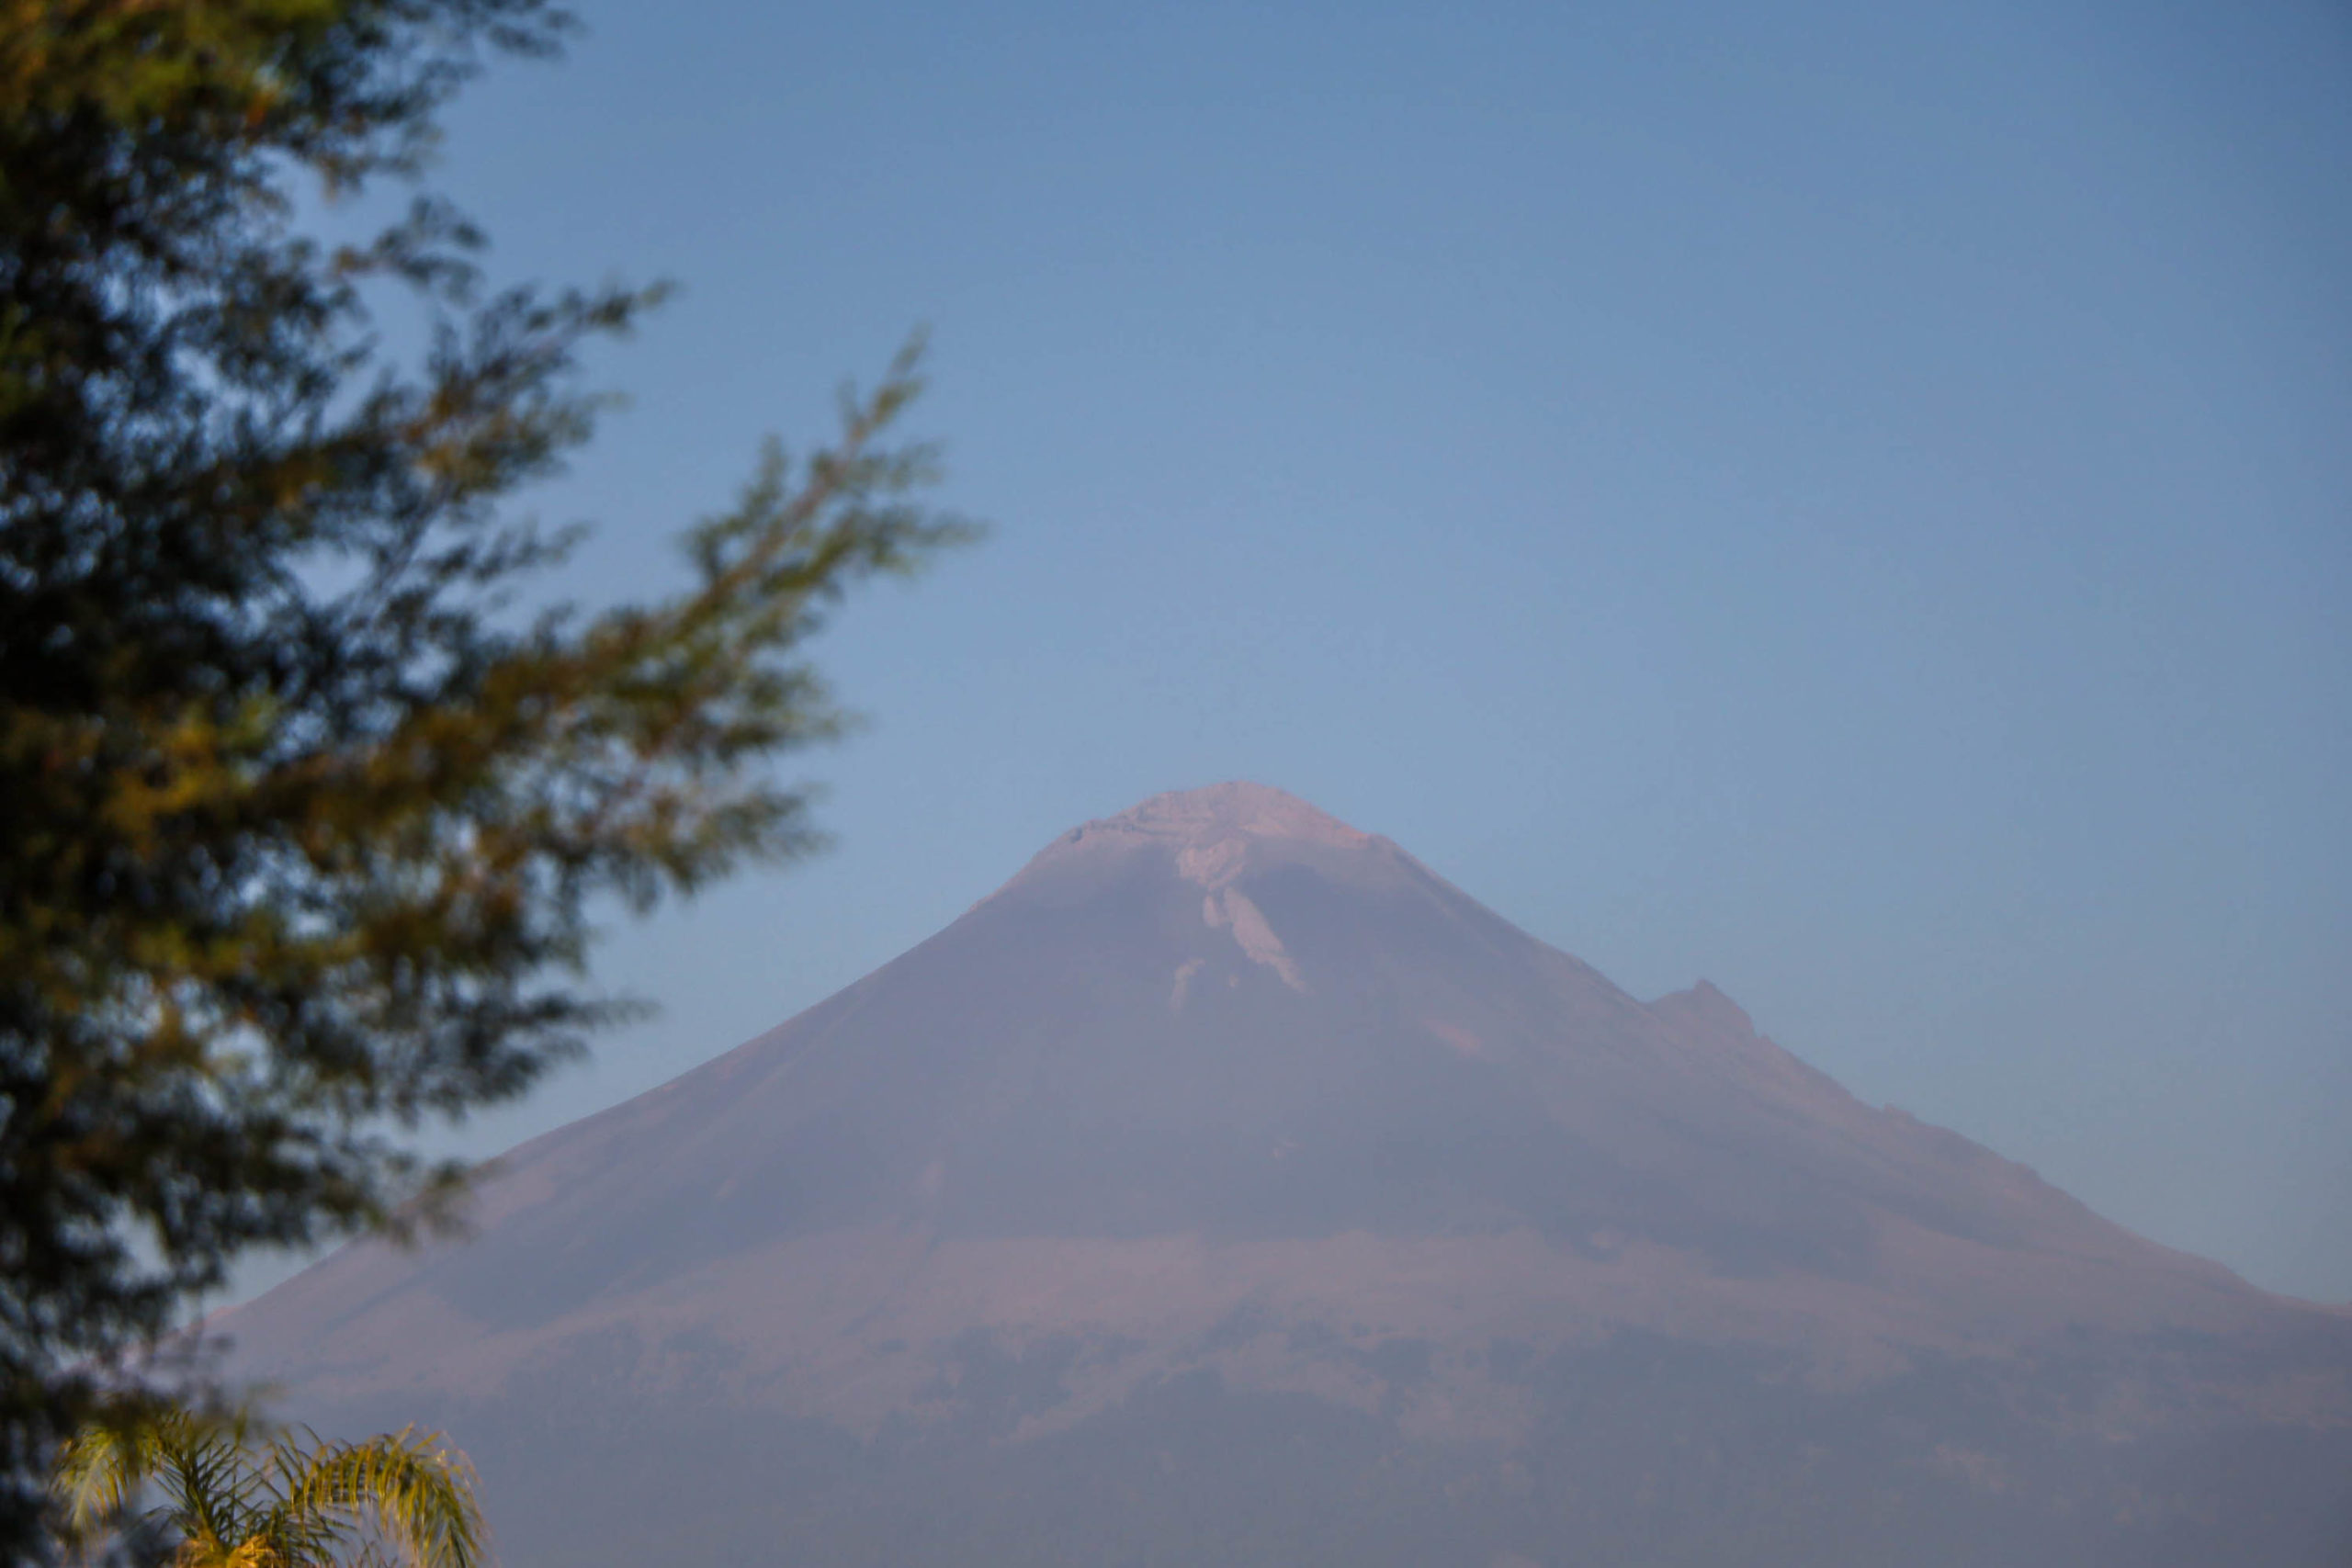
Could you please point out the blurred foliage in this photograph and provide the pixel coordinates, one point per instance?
(297, 1501)
(301, 814)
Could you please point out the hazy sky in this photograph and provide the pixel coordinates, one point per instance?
(1850, 501)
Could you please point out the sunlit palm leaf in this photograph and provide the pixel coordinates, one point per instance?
(414, 1492)
(305, 1503)
(102, 1469)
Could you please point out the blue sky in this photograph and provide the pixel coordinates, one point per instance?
(1850, 501)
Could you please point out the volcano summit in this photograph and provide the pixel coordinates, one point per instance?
(1229, 1188)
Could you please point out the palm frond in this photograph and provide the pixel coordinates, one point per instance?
(101, 1470)
(401, 1501)
(208, 1484)
(410, 1491)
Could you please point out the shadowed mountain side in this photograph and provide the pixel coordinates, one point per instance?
(1221, 1095)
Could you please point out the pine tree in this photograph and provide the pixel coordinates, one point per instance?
(301, 817)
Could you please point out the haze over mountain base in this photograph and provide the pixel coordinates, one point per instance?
(1228, 1187)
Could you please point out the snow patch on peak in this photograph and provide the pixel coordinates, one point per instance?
(1232, 911)
(1213, 865)
(1185, 972)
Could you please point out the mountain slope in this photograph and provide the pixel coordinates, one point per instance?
(1223, 1130)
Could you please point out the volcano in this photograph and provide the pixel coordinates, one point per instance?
(1228, 1187)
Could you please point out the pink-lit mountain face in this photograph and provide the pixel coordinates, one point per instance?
(1228, 1187)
